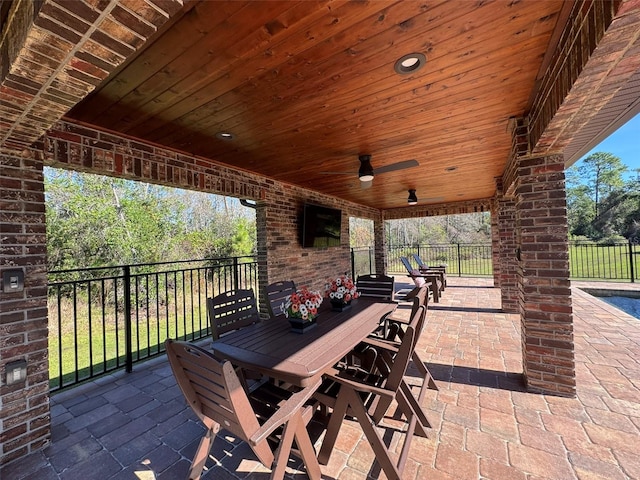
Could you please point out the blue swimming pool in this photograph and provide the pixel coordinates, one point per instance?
(626, 304)
(626, 300)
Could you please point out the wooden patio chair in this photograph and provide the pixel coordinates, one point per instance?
(376, 286)
(216, 395)
(433, 279)
(276, 294)
(367, 396)
(437, 269)
(394, 334)
(232, 310)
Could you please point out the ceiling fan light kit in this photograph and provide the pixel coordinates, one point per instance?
(413, 199)
(365, 173)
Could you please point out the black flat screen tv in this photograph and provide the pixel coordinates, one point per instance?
(321, 227)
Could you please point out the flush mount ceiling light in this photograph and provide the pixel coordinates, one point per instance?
(410, 63)
(365, 173)
(225, 135)
(412, 200)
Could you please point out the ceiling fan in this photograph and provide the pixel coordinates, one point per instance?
(366, 172)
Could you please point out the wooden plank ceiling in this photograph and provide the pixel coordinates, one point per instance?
(305, 87)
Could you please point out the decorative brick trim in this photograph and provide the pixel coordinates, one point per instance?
(56, 63)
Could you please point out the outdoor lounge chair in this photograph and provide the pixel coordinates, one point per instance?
(232, 310)
(434, 280)
(367, 396)
(216, 395)
(439, 269)
(276, 294)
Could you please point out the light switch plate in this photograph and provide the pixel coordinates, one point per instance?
(12, 281)
(16, 372)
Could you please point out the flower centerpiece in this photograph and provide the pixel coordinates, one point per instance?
(341, 291)
(301, 308)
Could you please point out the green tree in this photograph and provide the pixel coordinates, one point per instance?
(602, 173)
(97, 221)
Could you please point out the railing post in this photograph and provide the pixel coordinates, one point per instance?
(236, 274)
(372, 255)
(459, 261)
(127, 320)
(631, 265)
(353, 264)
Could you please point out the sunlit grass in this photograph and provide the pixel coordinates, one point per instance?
(90, 339)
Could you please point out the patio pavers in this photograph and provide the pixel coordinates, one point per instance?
(485, 424)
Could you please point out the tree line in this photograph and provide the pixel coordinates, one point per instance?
(95, 221)
(603, 205)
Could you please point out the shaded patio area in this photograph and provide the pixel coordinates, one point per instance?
(136, 426)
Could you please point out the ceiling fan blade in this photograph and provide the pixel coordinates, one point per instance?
(365, 185)
(339, 173)
(396, 166)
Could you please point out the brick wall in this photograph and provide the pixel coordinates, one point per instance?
(543, 271)
(24, 407)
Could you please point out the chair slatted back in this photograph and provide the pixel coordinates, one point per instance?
(232, 310)
(276, 294)
(354, 398)
(407, 264)
(212, 389)
(396, 365)
(216, 395)
(419, 261)
(376, 286)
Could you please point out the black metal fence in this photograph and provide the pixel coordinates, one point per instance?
(587, 260)
(102, 319)
(461, 259)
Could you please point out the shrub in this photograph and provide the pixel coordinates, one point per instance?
(612, 240)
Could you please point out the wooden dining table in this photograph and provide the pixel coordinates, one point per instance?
(271, 348)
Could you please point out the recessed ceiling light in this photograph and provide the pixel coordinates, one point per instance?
(451, 169)
(410, 63)
(225, 135)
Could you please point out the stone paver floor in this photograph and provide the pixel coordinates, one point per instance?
(485, 425)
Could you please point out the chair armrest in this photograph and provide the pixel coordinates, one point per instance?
(291, 406)
(357, 384)
(388, 345)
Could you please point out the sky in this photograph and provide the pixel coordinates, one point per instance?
(624, 143)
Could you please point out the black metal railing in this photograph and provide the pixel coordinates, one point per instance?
(617, 261)
(363, 261)
(103, 319)
(461, 259)
(587, 260)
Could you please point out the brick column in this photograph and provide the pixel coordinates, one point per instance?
(380, 250)
(507, 251)
(543, 274)
(495, 244)
(24, 406)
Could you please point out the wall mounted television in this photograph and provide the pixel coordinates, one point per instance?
(321, 226)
